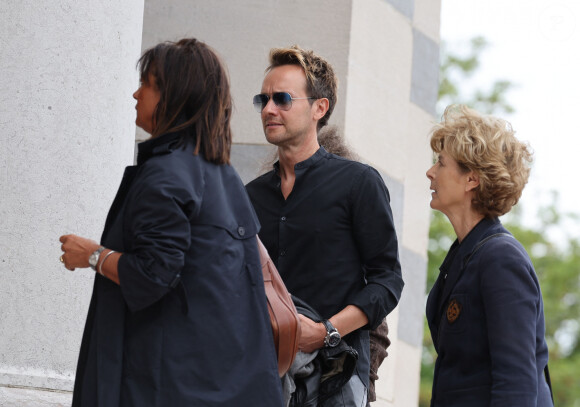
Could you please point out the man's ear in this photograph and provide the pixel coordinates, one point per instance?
(320, 107)
(472, 181)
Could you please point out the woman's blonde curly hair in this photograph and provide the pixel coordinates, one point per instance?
(487, 146)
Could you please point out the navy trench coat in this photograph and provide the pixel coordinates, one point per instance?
(486, 317)
(188, 325)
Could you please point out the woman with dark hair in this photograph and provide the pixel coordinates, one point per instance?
(485, 311)
(178, 315)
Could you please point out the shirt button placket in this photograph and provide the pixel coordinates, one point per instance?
(282, 240)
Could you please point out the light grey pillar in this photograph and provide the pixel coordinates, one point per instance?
(67, 73)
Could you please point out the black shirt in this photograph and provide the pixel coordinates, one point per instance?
(333, 239)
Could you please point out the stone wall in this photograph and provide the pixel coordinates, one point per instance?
(67, 74)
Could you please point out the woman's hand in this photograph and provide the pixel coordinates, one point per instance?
(76, 251)
(312, 336)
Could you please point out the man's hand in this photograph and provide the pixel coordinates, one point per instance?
(312, 336)
(349, 319)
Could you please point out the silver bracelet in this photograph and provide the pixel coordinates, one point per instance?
(103, 262)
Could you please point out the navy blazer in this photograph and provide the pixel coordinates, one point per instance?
(188, 325)
(486, 319)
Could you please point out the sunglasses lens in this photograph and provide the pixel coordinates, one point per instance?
(260, 101)
(283, 100)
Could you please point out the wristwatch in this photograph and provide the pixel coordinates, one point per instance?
(332, 337)
(94, 258)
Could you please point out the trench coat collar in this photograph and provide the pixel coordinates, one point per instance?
(156, 146)
(146, 149)
(450, 267)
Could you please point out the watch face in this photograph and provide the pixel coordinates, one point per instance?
(94, 257)
(333, 339)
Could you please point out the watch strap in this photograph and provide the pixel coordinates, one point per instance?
(328, 325)
(332, 337)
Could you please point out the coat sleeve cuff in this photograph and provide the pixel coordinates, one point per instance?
(140, 290)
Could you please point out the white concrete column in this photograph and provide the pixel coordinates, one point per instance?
(67, 74)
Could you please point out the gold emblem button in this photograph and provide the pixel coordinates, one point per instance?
(453, 311)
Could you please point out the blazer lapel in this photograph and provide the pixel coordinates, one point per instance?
(453, 271)
(449, 274)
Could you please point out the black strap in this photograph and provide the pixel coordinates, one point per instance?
(547, 374)
(478, 246)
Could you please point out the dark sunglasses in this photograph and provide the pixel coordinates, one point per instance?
(282, 100)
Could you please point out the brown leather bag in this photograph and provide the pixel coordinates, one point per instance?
(283, 314)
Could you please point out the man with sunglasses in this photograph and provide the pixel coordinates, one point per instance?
(326, 221)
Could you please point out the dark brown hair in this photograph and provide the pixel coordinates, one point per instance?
(333, 141)
(195, 95)
(321, 81)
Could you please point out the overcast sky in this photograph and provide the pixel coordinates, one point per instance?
(536, 45)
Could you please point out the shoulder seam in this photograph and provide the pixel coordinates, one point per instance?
(365, 168)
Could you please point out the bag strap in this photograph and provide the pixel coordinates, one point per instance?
(484, 241)
(477, 247)
(547, 375)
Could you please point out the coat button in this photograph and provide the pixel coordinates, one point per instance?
(283, 218)
(241, 231)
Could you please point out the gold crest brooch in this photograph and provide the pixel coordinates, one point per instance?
(453, 311)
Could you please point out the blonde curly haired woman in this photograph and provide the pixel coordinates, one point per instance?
(485, 311)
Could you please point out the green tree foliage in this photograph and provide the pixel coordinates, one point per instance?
(456, 70)
(557, 261)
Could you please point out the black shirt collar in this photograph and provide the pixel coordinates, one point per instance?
(303, 165)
